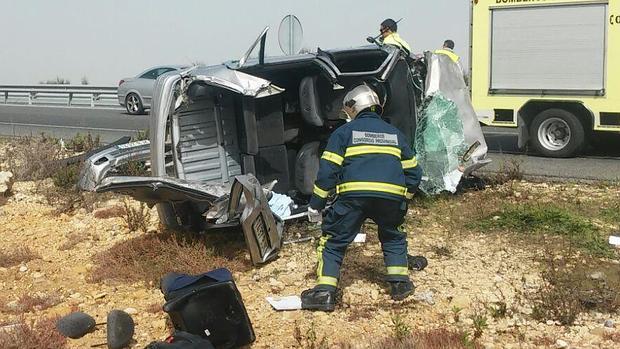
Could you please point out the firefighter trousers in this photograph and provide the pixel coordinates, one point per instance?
(342, 222)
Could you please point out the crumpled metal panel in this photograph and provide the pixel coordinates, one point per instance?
(154, 190)
(445, 77)
(236, 81)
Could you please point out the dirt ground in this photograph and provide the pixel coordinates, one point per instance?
(469, 271)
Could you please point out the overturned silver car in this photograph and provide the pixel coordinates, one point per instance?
(218, 132)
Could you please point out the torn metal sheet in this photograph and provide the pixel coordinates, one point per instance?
(152, 190)
(445, 77)
(236, 81)
(98, 165)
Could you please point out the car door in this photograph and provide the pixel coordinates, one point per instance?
(145, 83)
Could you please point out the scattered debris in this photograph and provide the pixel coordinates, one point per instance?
(285, 303)
(6, 183)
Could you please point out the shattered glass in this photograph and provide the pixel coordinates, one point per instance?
(440, 144)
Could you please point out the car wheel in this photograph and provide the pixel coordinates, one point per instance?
(557, 133)
(133, 104)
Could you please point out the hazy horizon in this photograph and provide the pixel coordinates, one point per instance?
(107, 41)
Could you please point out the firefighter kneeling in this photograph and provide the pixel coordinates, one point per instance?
(374, 172)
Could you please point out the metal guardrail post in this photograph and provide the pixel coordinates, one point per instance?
(6, 97)
(70, 99)
(31, 97)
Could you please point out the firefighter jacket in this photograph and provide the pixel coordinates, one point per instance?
(396, 40)
(367, 157)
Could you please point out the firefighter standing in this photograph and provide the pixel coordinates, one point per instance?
(448, 50)
(374, 171)
(389, 35)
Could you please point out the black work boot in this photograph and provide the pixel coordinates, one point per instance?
(399, 290)
(319, 298)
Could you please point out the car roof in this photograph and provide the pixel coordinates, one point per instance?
(303, 57)
(175, 66)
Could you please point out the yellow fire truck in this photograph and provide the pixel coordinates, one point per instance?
(549, 67)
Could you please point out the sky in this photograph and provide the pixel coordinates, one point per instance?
(107, 40)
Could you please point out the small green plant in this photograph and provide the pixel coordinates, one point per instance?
(456, 313)
(136, 218)
(309, 339)
(132, 168)
(66, 177)
(399, 328)
(84, 143)
(480, 324)
(141, 135)
(498, 309)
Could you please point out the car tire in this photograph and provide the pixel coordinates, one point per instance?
(133, 104)
(557, 133)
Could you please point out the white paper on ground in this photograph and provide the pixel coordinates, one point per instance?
(285, 303)
(451, 180)
(360, 238)
(614, 240)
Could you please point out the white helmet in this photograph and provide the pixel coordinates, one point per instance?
(360, 98)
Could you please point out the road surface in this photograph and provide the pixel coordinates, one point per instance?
(597, 164)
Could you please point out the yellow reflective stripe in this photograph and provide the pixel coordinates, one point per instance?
(398, 271)
(333, 157)
(372, 149)
(411, 163)
(371, 186)
(327, 280)
(323, 280)
(320, 192)
(453, 56)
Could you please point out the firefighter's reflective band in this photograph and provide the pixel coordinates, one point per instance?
(398, 271)
(374, 138)
(320, 192)
(407, 164)
(327, 280)
(333, 157)
(323, 280)
(371, 186)
(453, 56)
(371, 149)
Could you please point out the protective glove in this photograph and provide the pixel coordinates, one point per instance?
(314, 216)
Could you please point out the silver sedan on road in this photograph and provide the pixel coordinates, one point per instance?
(135, 93)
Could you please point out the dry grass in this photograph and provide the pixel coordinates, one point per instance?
(33, 158)
(149, 257)
(31, 303)
(440, 338)
(568, 292)
(154, 308)
(136, 218)
(73, 240)
(12, 256)
(40, 335)
(612, 336)
(109, 212)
